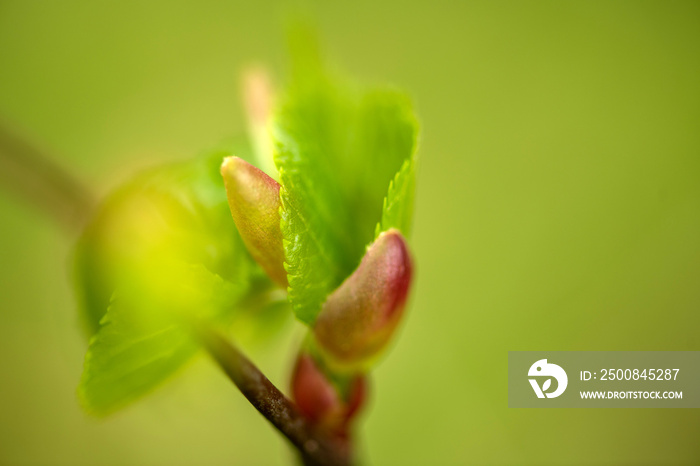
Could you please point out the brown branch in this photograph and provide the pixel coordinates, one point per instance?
(316, 447)
(30, 172)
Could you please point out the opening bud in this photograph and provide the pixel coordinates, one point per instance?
(254, 200)
(359, 317)
(322, 401)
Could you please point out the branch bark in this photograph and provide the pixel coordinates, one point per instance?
(316, 447)
(31, 173)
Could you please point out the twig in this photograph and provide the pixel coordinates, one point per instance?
(31, 173)
(316, 447)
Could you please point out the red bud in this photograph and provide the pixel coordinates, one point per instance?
(359, 317)
(356, 397)
(313, 393)
(320, 400)
(255, 203)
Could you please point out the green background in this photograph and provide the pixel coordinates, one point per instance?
(558, 209)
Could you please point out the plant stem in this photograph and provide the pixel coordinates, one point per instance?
(31, 173)
(316, 447)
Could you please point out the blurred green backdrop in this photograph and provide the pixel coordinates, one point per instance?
(558, 209)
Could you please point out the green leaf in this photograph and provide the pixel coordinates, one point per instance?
(398, 203)
(166, 248)
(145, 337)
(336, 148)
(175, 211)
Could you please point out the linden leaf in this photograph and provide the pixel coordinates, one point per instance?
(145, 336)
(337, 148)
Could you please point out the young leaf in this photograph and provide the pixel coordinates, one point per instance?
(179, 211)
(166, 247)
(145, 337)
(398, 203)
(337, 149)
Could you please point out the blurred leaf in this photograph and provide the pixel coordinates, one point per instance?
(337, 148)
(255, 325)
(166, 247)
(176, 211)
(398, 203)
(145, 337)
